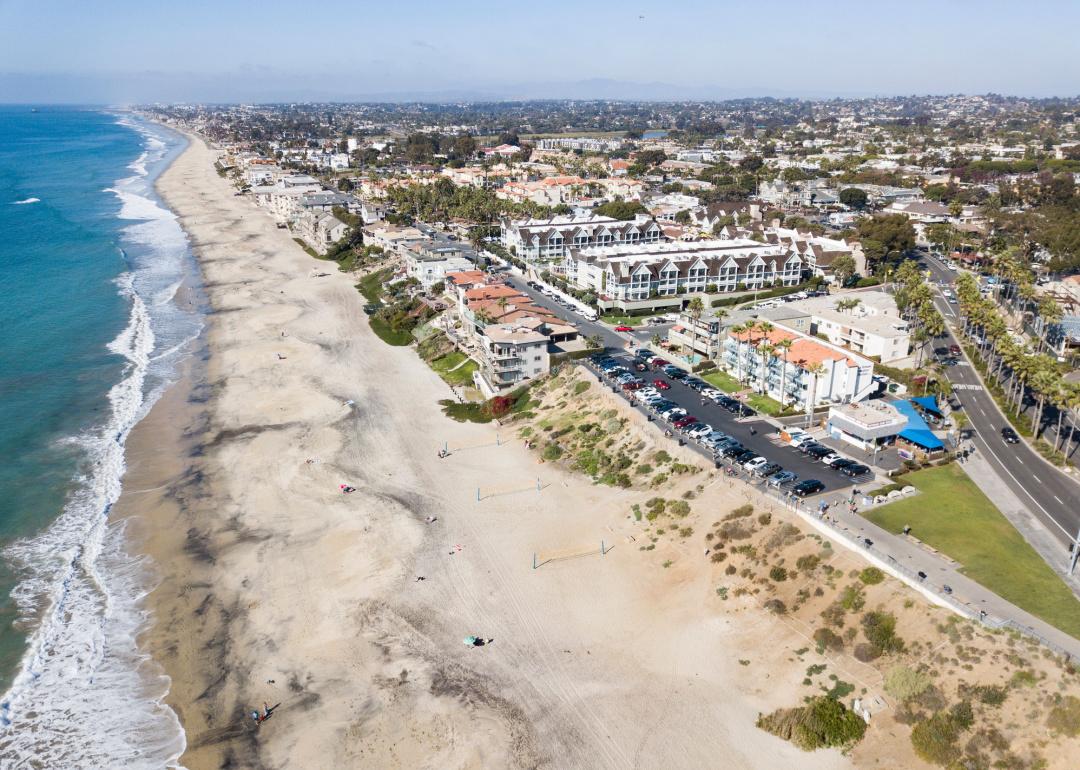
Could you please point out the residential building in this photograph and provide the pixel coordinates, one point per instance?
(581, 143)
(840, 376)
(393, 239)
(320, 230)
(864, 322)
(429, 264)
(813, 192)
(654, 275)
(868, 425)
(550, 240)
(510, 356)
(701, 336)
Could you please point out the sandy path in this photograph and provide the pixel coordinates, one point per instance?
(271, 574)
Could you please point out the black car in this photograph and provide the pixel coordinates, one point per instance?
(808, 487)
(745, 456)
(805, 448)
(767, 470)
(839, 465)
(819, 451)
(727, 402)
(689, 427)
(855, 470)
(677, 375)
(745, 411)
(695, 384)
(1009, 436)
(731, 451)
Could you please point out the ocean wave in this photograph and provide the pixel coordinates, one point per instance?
(74, 703)
(85, 695)
(26, 201)
(136, 206)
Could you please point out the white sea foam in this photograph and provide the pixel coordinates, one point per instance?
(26, 201)
(85, 696)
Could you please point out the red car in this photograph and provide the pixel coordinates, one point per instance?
(624, 328)
(683, 421)
(632, 386)
(661, 385)
(658, 362)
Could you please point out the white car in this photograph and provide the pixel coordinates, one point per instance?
(701, 432)
(798, 439)
(711, 393)
(832, 459)
(757, 462)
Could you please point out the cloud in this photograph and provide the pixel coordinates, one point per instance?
(423, 44)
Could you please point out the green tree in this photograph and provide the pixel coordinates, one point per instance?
(843, 267)
(620, 209)
(854, 198)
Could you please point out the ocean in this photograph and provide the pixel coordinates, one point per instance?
(100, 305)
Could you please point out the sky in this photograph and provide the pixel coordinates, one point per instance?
(123, 51)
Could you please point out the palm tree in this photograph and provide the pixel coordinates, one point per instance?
(784, 346)
(766, 350)
(747, 329)
(1044, 382)
(1073, 403)
(815, 370)
(695, 308)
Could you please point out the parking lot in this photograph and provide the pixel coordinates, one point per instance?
(754, 432)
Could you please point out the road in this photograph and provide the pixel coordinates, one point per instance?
(1052, 496)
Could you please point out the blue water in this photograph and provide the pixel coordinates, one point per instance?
(96, 278)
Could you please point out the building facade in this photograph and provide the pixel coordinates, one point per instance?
(549, 241)
(510, 356)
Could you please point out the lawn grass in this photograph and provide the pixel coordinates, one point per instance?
(388, 335)
(763, 404)
(623, 320)
(371, 285)
(954, 516)
(722, 381)
(445, 365)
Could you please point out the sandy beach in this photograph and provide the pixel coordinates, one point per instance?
(276, 588)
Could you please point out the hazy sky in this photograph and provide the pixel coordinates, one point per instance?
(170, 50)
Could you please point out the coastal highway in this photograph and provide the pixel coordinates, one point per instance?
(1049, 494)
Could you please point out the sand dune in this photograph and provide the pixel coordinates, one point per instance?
(269, 572)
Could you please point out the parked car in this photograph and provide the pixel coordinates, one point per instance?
(731, 450)
(674, 413)
(624, 328)
(755, 462)
(712, 393)
(695, 384)
(684, 420)
(843, 462)
(780, 478)
(818, 451)
(727, 402)
(808, 487)
(631, 385)
(661, 384)
(745, 456)
(831, 458)
(855, 470)
(644, 353)
(689, 428)
(658, 362)
(1009, 436)
(799, 438)
(678, 374)
(954, 350)
(700, 432)
(744, 411)
(766, 470)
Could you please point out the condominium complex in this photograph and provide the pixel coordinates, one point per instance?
(550, 240)
(643, 276)
(510, 355)
(865, 322)
(808, 371)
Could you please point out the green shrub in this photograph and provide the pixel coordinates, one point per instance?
(821, 723)
(765, 519)
(778, 574)
(827, 639)
(581, 387)
(552, 452)
(935, 739)
(741, 512)
(679, 508)
(902, 682)
(645, 468)
(866, 652)
(852, 598)
(871, 576)
(1064, 718)
(834, 614)
(880, 631)
(776, 606)
(661, 457)
(808, 562)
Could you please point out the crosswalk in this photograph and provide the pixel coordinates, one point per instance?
(966, 386)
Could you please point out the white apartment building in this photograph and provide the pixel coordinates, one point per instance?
(510, 356)
(320, 230)
(864, 322)
(583, 143)
(841, 376)
(550, 240)
(430, 265)
(646, 276)
(701, 336)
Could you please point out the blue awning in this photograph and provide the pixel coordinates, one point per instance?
(917, 431)
(929, 403)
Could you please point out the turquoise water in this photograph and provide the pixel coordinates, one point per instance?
(91, 268)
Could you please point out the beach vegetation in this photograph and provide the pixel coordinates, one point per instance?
(936, 739)
(1064, 718)
(822, 723)
(903, 682)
